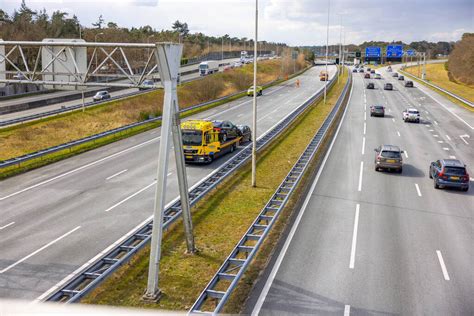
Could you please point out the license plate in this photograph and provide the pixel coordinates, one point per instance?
(454, 178)
(391, 160)
(189, 157)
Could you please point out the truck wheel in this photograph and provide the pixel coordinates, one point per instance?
(436, 186)
(232, 148)
(211, 158)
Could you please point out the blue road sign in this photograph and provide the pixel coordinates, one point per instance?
(372, 51)
(410, 52)
(395, 51)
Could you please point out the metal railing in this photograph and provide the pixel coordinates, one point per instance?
(455, 96)
(218, 290)
(80, 284)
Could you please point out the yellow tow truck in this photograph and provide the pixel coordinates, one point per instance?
(204, 141)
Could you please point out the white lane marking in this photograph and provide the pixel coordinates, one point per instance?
(427, 125)
(431, 130)
(7, 225)
(398, 133)
(39, 250)
(153, 132)
(435, 135)
(393, 120)
(406, 153)
(363, 145)
(354, 237)
(436, 123)
(463, 136)
(347, 310)
(447, 136)
(169, 174)
(447, 109)
(440, 141)
(417, 189)
(426, 112)
(78, 169)
(452, 157)
(390, 110)
(443, 266)
(446, 148)
(130, 196)
(240, 115)
(360, 176)
(365, 127)
(365, 116)
(116, 174)
(286, 245)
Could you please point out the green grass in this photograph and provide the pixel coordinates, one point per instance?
(438, 75)
(220, 219)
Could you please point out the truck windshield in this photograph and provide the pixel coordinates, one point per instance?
(204, 66)
(192, 138)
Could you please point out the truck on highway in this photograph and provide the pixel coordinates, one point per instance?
(204, 141)
(208, 67)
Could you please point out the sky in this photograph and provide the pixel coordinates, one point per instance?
(295, 22)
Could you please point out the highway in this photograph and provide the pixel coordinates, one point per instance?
(59, 105)
(56, 218)
(367, 242)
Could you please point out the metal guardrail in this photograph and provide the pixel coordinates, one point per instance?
(461, 99)
(218, 290)
(79, 285)
(38, 154)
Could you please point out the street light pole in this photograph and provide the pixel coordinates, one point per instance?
(327, 52)
(222, 48)
(254, 125)
(340, 46)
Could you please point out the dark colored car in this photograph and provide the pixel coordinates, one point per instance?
(367, 76)
(230, 129)
(372, 71)
(361, 69)
(101, 95)
(354, 70)
(395, 74)
(409, 84)
(449, 173)
(388, 157)
(245, 132)
(368, 69)
(401, 77)
(388, 86)
(377, 110)
(370, 85)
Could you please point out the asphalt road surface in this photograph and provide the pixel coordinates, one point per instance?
(56, 218)
(373, 243)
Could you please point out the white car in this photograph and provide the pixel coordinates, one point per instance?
(377, 76)
(411, 115)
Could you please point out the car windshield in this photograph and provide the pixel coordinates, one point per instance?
(413, 112)
(458, 171)
(192, 138)
(390, 154)
(378, 107)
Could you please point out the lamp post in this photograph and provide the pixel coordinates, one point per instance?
(327, 52)
(254, 123)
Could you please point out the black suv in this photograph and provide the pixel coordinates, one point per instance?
(388, 86)
(409, 84)
(449, 173)
(370, 85)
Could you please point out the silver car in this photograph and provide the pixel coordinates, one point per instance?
(388, 157)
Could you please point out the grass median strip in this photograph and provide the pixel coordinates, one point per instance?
(219, 220)
(52, 131)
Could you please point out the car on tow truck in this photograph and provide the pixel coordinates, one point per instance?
(411, 115)
(449, 173)
(388, 157)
